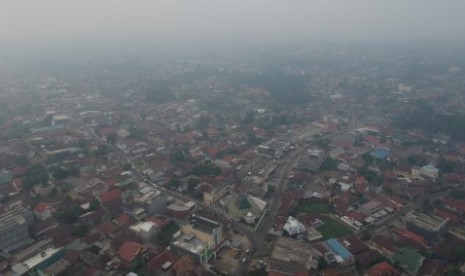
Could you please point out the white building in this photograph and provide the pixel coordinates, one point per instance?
(430, 170)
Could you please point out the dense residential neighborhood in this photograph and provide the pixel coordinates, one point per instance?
(220, 166)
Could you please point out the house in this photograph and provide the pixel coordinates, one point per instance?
(383, 269)
(371, 207)
(455, 205)
(110, 196)
(409, 260)
(129, 252)
(42, 210)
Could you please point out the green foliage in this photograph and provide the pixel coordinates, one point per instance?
(333, 229)
(429, 121)
(94, 205)
(175, 183)
(308, 206)
(457, 194)
(248, 118)
(81, 230)
(178, 156)
(366, 235)
(101, 150)
(416, 159)
(69, 215)
(136, 134)
(35, 174)
(166, 235)
(329, 164)
(111, 138)
(159, 92)
(15, 131)
(60, 173)
(192, 183)
(459, 253)
(271, 188)
(208, 170)
(82, 143)
(367, 159)
(371, 176)
(22, 161)
(253, 140)
(454, 271)
(127, 167)
(258, 272)
(203, 122)
(445, 166)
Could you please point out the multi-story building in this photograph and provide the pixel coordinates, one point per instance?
(200, 237)
(14, 231)
(427, 226)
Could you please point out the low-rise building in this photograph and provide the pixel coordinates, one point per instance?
(410, 260)
(290, 257)
(371, 207)
(426, 225)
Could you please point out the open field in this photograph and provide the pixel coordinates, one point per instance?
(333, 228)
(307, 206)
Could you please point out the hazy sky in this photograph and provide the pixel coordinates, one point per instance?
(48, 20)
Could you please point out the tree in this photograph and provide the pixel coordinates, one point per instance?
(366, 235)
(367, 159)
(192, 183)
(60, 173)
(329, 164)
(271, 188)
(35, 174)
(82, 143)
(111, 138)
(22, 161)
(253, 140)
(101, 150)
(82, 230)
(127, 167)
(69, 215)
(209, 170)
(94, 205)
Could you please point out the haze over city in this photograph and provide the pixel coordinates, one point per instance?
(214, 137)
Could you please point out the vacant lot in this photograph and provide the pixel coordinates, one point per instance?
(333, 228)
(307, 206)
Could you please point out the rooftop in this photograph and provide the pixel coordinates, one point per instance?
(408, 259)
(338, 249)
(203, 224)
(190, 243)
(428, 222)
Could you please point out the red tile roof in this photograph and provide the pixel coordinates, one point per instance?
(412, 236)
(129, 251)
(383, 269)
(18, 171)
(110, 196)
(455, 204)
(41, 207)
(446, 215)
(155, 264)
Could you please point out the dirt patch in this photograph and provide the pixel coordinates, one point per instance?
(227, 260)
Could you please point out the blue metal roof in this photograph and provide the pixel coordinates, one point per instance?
(380, 153)
(338, 248)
